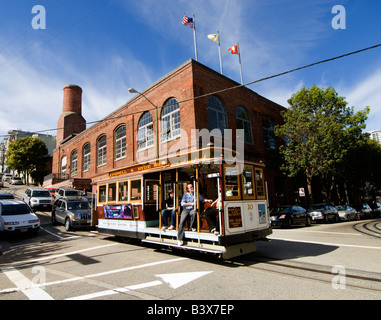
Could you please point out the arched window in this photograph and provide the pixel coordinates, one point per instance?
(102, 150)
(120, 142)
(216, 114)
(86, 157)
(74, 163)
(63, 167)
(170, 120)
(145, 131)
(268, 133)
(243, 122)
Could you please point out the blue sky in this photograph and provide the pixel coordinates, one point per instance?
(107, 46)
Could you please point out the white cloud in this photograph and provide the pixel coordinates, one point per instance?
(366, 92)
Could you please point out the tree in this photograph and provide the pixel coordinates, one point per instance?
(318, 130)
(26, 155)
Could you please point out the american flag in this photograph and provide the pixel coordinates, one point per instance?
(187, 21)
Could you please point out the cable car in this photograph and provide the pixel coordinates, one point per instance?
(130, 201)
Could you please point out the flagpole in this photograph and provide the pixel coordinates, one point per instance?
(219, 49)
(194, 35)
(240, 65)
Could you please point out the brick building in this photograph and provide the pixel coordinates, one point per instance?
(190, 97)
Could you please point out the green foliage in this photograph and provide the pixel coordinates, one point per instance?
(319, 129)
(27, 155)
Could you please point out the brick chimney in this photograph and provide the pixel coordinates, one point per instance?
(70, 121)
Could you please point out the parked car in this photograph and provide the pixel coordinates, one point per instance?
(376, 207)
(16, 215)
(7, 177)
(73, 212)
(4, 196)
(347, 213)
(289, 215)
(363, 210)
(323, 212)
(66, 192)
(16, 180)
(38, 198)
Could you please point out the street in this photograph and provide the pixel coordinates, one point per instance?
(325, 261)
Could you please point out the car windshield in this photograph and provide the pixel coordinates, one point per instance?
(316, 208)
(75, 205)
(15, 209)
(41, 193)
(279, 210)
(342, 207)
(69, 193)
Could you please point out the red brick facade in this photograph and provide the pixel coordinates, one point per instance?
(186, 83)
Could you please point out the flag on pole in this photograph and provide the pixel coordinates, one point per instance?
(233, 49)
(187, 21)
(192, 23)
(215, 37)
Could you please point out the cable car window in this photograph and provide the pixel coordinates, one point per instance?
(232, 189)
(111, 192)
(102, 194)
(248, 182)
(136, 190)
(151, 191)
(123, 191)
(260, 183)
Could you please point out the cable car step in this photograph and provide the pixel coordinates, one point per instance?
(192, 245)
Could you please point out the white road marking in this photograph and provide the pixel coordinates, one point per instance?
(342, 233)
(25, 285)
(175, 280)
(327, 243)
(62, 254)
(8, 290)
(116, 291)
(62, 238)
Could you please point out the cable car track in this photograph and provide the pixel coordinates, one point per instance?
(372, 228)
(353, 278)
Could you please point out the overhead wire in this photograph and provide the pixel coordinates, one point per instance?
(230, 88)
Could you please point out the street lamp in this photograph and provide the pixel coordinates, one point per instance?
(131, 90)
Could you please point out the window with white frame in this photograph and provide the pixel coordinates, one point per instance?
(145, 131)
(243, 122)
(120, 143)
(63, 167)
(217, 114)
(74, 163)
(102, 151)
(170, 120)
(86, 157)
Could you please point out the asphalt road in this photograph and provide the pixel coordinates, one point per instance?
(339, 261)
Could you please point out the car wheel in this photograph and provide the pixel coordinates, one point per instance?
(308, 222)
(67, 224)
(326, 220)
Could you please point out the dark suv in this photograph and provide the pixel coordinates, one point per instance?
(323, 212)
(73, 212)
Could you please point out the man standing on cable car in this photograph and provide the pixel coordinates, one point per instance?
(188, 203)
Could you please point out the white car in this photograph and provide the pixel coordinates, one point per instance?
(16, 215)
(38, 198)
